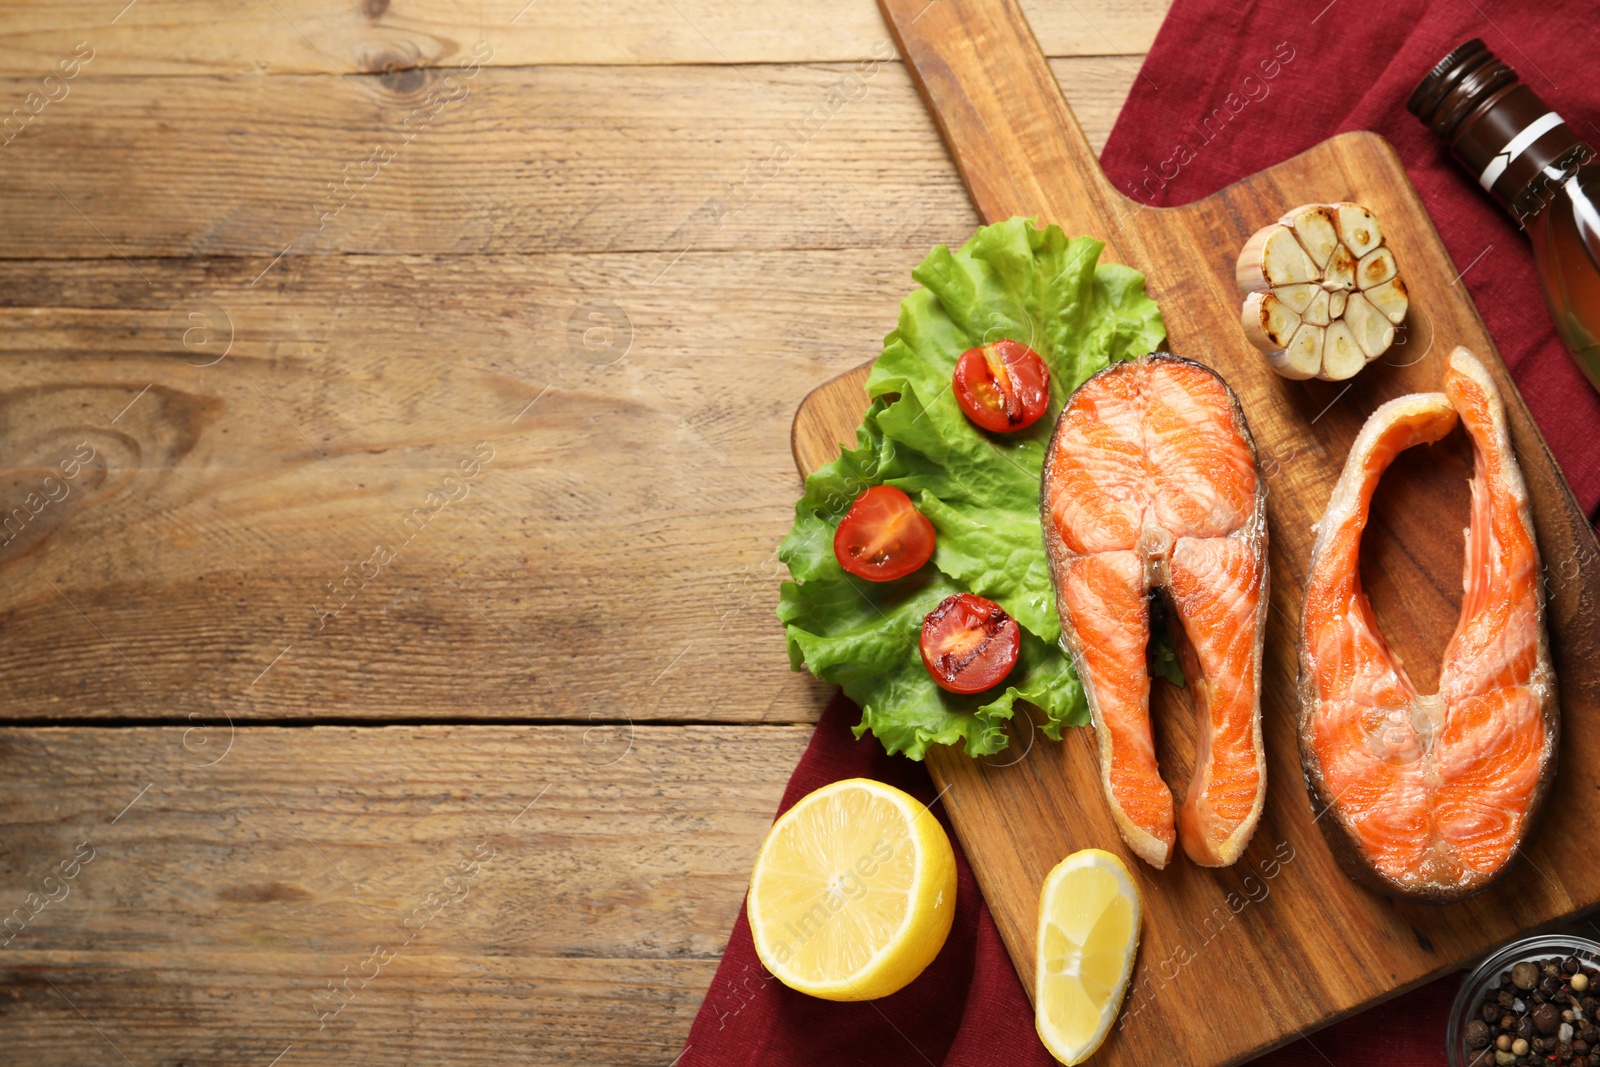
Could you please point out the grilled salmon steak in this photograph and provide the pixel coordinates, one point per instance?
(1429, 796)
(1150, 485)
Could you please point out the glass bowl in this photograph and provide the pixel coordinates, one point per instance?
(1486, 980)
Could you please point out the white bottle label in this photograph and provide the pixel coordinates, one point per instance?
(1515, 147)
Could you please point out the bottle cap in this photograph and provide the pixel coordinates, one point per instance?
(1496, 127)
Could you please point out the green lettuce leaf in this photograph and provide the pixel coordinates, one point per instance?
(980, 491)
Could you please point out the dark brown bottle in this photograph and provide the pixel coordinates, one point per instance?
(1539, 171)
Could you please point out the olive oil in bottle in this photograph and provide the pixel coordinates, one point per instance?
(1541, 172)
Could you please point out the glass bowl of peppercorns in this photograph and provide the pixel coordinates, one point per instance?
(1533, 1002)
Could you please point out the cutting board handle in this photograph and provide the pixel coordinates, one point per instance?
(981, 72)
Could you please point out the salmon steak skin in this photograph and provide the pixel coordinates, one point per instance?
(1430, 797)
(1151, 487)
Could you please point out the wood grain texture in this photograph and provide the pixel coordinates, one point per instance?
(170, 37)
(614, 552)
(1282, 942)
(231, 877)
(439, 1009)
(524, 160)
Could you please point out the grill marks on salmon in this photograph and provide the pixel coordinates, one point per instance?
(1430, 796)
(1151, 486)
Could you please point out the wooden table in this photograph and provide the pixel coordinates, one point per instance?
(395, 416)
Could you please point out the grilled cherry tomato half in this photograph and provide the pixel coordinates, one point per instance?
(1003, 387)
(883, 537)
(969, 644)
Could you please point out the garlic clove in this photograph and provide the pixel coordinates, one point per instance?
(1298, 297)
(1267, 321)
(1390, 298)
(1342, 356)
(1372, 329)
(1273, 258)
(1358, 229)
(1375, 268)
(1313, 225)
(1302, 357)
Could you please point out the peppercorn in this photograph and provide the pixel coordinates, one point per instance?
(1538, 1012)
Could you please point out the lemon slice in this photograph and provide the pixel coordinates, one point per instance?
(853, 892)
(1088, 934)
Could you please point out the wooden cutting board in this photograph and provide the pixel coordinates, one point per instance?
(1238, 960)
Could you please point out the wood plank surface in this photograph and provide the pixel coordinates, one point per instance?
(615, 548)
(187, 37)
(1282, 942)
(250, 1006)
(524, 160)
(215, 883)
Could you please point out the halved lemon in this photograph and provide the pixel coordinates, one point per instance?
(1088, 936)
(853, 892)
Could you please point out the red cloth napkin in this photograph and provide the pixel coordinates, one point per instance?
(1348, 65)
